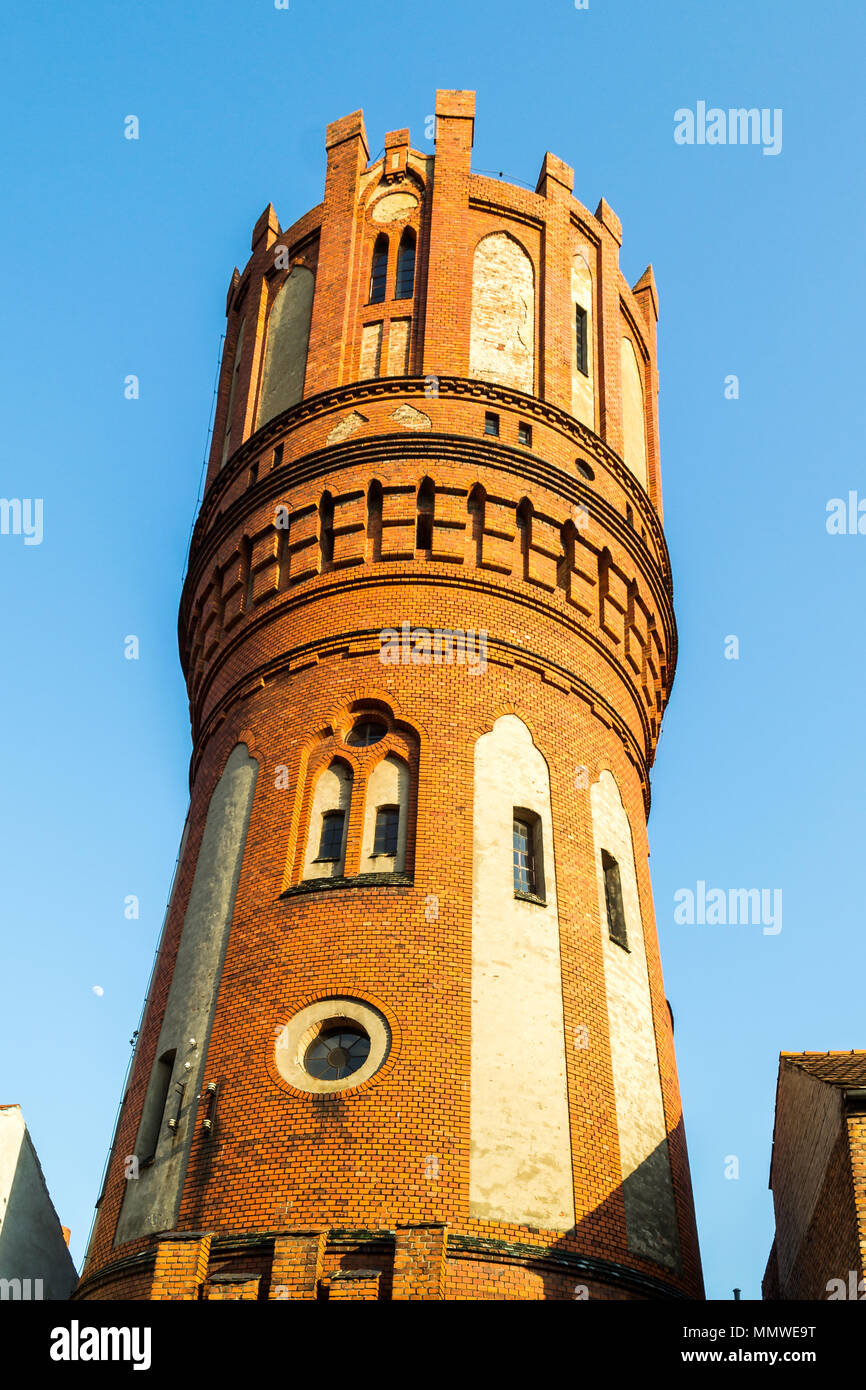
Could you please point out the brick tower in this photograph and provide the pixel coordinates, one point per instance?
(407, 1034)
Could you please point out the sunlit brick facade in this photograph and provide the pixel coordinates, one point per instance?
(407, 1034)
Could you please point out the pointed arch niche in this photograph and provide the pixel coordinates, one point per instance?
(288, 339)
(502, 331)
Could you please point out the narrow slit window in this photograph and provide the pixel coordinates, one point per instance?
(387, 830)
(475, 507)
(379, 270)
(374, 521)
(491, 423)
(523, 524)
(247, 576)
(406, 266)
(326, 528)
(331, 841)
(581, 322)
(524, 435)
(424, 524)
(613, 899)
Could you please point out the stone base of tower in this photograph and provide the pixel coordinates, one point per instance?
(425, 1261)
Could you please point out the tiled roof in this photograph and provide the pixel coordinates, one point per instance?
(836, 1068)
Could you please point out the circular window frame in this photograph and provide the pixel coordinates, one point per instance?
(294, 1038)
(363, 721)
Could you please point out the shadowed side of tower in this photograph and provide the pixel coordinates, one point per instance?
(407, 1034)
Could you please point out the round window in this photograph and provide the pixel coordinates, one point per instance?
(366, 732)
(334, 1044)
(337, 1052)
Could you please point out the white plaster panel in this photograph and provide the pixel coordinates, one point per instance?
(633, 423)
(333, 793)
(647, 1185)
(520, 1157)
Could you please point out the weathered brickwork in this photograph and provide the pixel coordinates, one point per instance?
(441, 497)
(818, 1178)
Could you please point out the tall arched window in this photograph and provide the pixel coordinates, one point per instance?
(424, 524)
(329, 823)
(406, 265)
(326, 529)
(386, 818)
(379, 269)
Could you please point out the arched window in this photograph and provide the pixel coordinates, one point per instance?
(386, 818)
(326, 529)
(406, 266)
(379, 269)
(424, 524)
(329, 823)
(374, 521)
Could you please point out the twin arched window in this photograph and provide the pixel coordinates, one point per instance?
(405, 281)
(379, 826)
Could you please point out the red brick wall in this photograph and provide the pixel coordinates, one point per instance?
(829, 1249)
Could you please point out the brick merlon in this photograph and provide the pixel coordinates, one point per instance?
(607, 217)
(268, 226)
(556, 172)
(647, 285)
(349, 127)
(455, 105)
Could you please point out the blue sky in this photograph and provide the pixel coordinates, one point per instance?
(117, 255)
